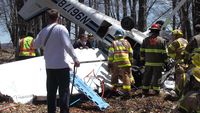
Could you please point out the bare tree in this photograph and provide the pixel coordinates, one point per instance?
(142, 15)
(151, 5)
(81, 30)
(107, 7)
(117, 9)
(124, 2)
(185, 22)
(96, 5)
(195, 12)
(174, 17)
(133, 10)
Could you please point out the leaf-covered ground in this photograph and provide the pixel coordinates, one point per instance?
(118, 104)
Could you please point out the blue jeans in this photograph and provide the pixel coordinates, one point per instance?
(58, 79)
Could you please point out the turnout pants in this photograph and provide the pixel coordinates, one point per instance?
(122, 73)
(151, 78)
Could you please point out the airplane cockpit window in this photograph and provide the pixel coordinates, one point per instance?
(103, 29)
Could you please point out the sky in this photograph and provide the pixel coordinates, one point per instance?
(4, 35)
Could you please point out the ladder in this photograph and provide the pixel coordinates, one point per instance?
(82, 87)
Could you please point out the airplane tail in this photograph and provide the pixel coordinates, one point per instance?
(31, 9)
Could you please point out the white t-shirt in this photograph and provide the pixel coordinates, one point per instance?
(57, 46)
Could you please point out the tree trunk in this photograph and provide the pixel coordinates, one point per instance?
(142, 15)
(174, 17)
(196, 13)
(81, 30)
(133, 10)
(124, 8)
(91, 3)
(117, 9)
(185, 21)
(107, 7)
(96, 5)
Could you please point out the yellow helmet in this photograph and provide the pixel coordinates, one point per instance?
(196, 59)
(178, 33)
(196, 73)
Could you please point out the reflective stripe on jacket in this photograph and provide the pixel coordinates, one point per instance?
(26, 47)
(153, 51)
(120, 53)
(176, 48)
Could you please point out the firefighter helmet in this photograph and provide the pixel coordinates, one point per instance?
(196, 73)
(119, 33)
(177, 33)
(155, 27)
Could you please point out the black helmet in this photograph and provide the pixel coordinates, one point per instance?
(155, 27)
(160, 22)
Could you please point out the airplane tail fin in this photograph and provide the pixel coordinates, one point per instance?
(31, 9)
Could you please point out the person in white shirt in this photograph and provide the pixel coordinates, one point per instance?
(54, 38)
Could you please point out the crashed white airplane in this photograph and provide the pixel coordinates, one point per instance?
(28, 77)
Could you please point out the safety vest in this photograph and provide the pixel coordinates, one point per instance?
(153, 51)
(121, 53)
(26, 47)
(176, 48)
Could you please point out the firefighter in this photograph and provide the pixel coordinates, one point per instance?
(26, 49)
(120, 61)
(193, 46)
(190, 102)
(176, 51)
(153, 55)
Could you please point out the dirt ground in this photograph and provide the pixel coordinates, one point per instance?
(135, 104)
(118, 104)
